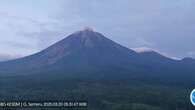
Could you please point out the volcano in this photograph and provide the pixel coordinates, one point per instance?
(87, 53)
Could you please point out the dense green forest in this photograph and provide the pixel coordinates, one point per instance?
(101, 94)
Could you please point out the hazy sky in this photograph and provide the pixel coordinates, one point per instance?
(28, 26)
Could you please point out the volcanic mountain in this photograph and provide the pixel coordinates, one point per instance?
(90, 54)
(81, 51)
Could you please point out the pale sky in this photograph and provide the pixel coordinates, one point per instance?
(28, 26)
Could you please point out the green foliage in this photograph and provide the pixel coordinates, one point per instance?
(101, 94)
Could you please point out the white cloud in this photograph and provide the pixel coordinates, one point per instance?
(143, 49)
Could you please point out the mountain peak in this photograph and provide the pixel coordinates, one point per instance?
(85, 30)
(86, 33)
(88, 29)
(86, 43)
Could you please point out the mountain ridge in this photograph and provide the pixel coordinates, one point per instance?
(89, 53)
